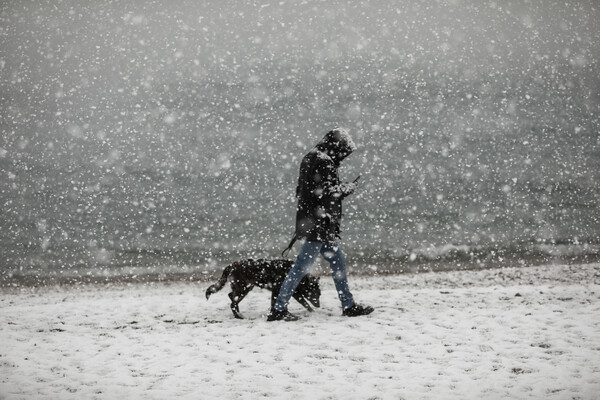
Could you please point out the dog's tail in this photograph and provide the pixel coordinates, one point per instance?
(220, 283)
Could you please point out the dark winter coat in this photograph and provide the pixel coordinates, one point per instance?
(319, 190)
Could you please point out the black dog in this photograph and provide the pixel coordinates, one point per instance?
(266, 274)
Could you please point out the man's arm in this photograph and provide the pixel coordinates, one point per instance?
(331, 184)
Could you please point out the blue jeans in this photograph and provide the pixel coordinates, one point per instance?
(306, 258)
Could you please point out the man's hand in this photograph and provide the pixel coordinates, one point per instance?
(349, 188)
(345, 189)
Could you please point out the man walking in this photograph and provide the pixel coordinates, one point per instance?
(318, 218)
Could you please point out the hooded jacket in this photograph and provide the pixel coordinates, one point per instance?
(319, 190)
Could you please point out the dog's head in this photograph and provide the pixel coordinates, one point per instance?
(309, 289)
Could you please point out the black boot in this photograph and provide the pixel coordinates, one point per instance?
(284, 315)
(357, 310)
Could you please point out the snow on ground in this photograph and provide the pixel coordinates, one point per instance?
(501, 333)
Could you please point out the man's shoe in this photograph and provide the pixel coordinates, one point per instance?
(284, 315)
(357, 310)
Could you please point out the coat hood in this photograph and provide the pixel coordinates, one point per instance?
(337, 144)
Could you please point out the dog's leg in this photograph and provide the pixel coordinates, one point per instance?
(238, 292)
(302, 301)
(274, 293)
(235, 309)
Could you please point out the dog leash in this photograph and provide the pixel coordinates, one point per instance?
(289, 248)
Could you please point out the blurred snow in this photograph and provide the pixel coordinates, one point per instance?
(120, 116)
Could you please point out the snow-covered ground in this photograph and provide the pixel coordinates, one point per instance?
(501, 333)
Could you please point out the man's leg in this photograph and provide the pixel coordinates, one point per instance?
(333, 254)
(305, 260)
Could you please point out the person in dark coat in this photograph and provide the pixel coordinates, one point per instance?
(318, 217)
